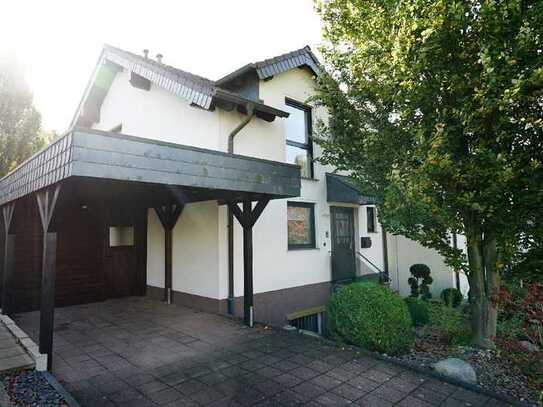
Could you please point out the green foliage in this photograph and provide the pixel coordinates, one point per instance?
(452, 297)
(436, 109)
(420, 281)
(20, 122)
(418, 310)
(521, 320)
(452, 323)
(371, 316)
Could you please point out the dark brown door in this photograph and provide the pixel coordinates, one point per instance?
(343, 243)
(123, 272)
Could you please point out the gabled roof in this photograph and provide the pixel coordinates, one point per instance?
(273, 66)
(197, 90)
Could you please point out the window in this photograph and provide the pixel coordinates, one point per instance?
(121, 236)
(371, 219)
(301, 225)
(298, 136)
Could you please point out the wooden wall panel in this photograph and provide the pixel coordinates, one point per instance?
(80, 276)
(28, 246)
(84, 261)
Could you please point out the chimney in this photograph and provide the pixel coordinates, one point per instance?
(146, 53)
(159, 58)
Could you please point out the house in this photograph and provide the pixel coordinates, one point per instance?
(198, 192)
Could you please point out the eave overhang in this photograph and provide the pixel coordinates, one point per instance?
(198, 91)
(342, 189)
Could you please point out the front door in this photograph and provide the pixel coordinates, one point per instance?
(343, 243)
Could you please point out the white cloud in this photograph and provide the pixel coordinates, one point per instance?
(59, 40)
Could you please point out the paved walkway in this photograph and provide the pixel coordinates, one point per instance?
(12, 354)
(138, 352)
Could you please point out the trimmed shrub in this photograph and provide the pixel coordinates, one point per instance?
(418, 310)
(420, 281)
(452, 297)
(370, 316)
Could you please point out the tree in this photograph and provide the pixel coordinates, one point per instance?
(20, 122)
(436, 108)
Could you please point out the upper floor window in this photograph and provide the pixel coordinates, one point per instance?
(298, 136)
(371, 219)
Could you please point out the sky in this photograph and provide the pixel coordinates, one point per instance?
(59, 41)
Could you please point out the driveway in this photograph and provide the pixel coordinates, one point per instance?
(140, 352)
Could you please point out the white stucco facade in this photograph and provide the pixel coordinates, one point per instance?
(200, 255)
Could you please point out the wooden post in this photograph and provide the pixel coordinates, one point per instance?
(168, 215)
(9, 260)
(248, 294)
(47, 200)
(247, 219)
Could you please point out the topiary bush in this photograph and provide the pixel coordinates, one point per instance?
(452, 297)
(418, 310)
(371, 316)
(420, 281)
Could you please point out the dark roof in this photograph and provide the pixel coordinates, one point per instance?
(112, 156)
(276, 65)
(343, 189)
(198, 90)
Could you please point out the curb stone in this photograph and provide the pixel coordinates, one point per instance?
(40, 359)
(60, 390)
(429, 372)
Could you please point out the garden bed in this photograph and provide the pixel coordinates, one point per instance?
(494, 372)
(32, 389)
(419, 332)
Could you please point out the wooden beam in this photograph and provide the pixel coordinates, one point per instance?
(237, 212)
(168, 215)
(47, 309)
(257, 211)
(47, 200)
(9, 271)
(247, 218)
(247, 267)
(9, 260)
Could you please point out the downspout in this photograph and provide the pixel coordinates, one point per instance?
(231, 297)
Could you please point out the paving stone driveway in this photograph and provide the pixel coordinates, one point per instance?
(139, 352)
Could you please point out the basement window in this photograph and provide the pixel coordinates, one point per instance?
(121, 236)
(313, 319)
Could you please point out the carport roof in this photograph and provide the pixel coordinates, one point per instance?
(111, 156)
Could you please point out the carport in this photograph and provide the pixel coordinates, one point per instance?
(59, 207)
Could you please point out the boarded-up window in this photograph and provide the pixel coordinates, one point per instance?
(301, 225)
(121, 236)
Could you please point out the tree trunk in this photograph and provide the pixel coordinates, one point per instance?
(492, 280)
(483, 281)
